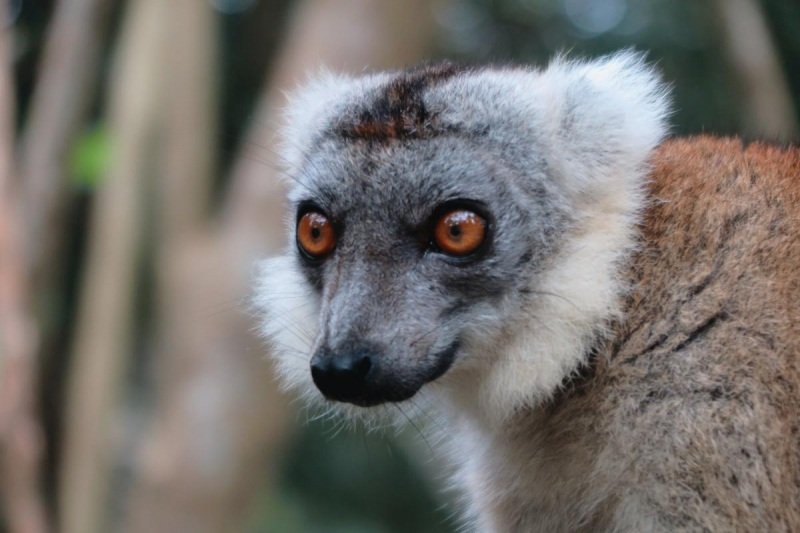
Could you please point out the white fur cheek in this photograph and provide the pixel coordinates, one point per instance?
(578, 299)
(289, 311)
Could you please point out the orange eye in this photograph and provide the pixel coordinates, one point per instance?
(315, 235)
(459, 232)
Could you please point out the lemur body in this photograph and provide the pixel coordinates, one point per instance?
(620, 350)
(688, 419)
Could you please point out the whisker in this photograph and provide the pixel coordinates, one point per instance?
(554, 295)
(417, 428)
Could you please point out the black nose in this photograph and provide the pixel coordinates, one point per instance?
(342, 377)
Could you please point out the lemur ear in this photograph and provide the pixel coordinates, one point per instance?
(602, 117)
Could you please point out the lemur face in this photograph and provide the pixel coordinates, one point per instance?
(409, 245)
(446, 219)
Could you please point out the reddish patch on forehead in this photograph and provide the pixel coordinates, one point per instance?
(399, 112)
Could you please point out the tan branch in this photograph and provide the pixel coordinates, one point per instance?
(64, 91)
(106, 316)
(190, 121)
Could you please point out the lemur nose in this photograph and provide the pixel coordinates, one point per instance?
(342, 377)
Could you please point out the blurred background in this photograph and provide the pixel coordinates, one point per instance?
(139, 183)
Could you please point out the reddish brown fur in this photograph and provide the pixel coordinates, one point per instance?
(693, 419)
(712, 338)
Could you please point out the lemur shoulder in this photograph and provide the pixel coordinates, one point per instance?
(608, 322)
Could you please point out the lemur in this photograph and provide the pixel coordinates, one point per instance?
(607, 321)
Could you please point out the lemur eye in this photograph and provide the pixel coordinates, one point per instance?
(315, 235)
(459, 232)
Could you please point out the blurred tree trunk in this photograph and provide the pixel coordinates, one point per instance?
(105, 317)
(20, 435)
(65, 88)
(767, 108)
(219, 420)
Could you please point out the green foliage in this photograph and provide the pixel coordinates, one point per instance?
(90, 158)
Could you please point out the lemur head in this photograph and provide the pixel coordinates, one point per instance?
(464, 226)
